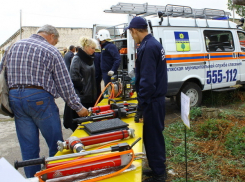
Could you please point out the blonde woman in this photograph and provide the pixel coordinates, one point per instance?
(82, 72)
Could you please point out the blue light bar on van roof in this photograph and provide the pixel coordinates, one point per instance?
(221, 18)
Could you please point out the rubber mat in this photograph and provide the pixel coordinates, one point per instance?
(105, 126)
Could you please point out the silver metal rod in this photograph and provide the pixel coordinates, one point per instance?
(77, 154)
(103, 116)
(131, 112)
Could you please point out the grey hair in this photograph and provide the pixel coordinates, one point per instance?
(49, 29)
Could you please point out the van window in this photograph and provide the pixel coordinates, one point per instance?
(218, 41)
(241, 37)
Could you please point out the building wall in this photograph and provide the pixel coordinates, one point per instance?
(68, 36)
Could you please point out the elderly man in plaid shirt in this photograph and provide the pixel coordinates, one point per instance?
(36, 74)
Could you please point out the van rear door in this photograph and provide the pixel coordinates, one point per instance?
(241, 54)
(222, 59)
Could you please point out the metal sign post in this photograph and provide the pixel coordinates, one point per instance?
(185, 110)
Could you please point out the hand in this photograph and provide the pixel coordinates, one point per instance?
(83, 112)
(110, 73)
(138, 118)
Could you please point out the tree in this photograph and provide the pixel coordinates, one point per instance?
(239, 2)
(240, 10)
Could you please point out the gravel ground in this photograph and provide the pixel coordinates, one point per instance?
(10, 148)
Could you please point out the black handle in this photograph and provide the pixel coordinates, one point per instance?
(109, 101)
(136, 141)
(31, 162)
(82, 119)
(138, 115)
(115, 106)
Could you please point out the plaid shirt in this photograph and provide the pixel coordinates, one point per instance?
(34, 61)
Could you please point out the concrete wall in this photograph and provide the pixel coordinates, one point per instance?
(68, 36)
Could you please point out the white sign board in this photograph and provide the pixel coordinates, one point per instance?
(8, 173)
(185, 109)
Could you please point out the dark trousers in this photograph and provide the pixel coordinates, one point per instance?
(98, 86)
(106, 78)
(70, 114)
(153, 115)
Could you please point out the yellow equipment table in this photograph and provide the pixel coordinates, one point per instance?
(131, 176)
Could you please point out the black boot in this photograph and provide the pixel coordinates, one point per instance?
(148, 172)
(153, 176)
(156, 178)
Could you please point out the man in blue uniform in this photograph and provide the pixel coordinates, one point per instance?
(110, 57)
(151, 88)
(69, 55)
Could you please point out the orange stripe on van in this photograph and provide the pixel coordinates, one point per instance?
(183, 58)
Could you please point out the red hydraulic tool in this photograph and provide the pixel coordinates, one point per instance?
(76, 144)
(120, 160)
(98, 109)
(113, 111)
(119, 156)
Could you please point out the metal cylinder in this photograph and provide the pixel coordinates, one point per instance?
(87, 167)
(95, 139)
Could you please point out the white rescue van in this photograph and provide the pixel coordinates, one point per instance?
(204, 50)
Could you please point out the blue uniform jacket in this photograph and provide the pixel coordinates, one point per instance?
(110, 57)
(98, 74)
(151, 71)
(68, 57)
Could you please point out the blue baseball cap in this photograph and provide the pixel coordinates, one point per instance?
(138, 23)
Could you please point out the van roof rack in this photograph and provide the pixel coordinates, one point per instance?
(169, 10)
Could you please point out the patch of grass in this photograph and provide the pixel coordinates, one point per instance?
(178, 154)
(174, 136)
(184, 180)
(175, 130)
(226, 113)
(211, 128)
(215, 149)
(195, 112)
(213, 171)
(235, 141)
(233, 136)
(242, 106)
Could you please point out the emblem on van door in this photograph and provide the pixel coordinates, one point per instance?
(182, 41)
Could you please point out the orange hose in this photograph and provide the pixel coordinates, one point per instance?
(71, 164)
(101, 94)
(112, 95)
(112, 91)
(115, 173)
(40, 179)
(119, 89)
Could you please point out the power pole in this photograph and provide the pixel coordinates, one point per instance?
(20, 24)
